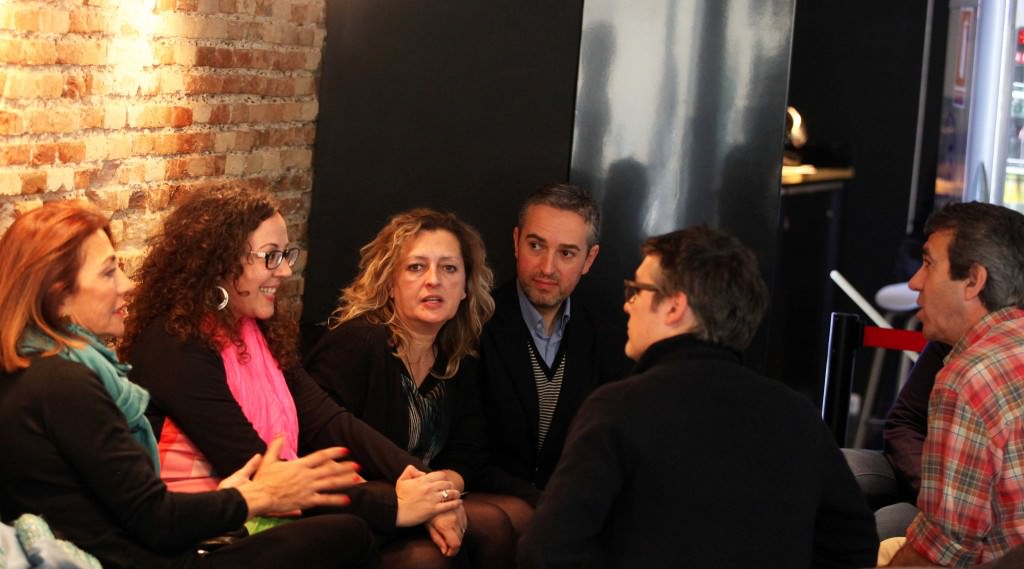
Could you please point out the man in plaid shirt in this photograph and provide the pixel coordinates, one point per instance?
(971, 292)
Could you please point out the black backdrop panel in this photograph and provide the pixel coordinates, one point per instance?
(468, 106)
(459, 105)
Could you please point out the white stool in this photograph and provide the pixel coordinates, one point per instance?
(894, 299)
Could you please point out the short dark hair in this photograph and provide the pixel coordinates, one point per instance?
(720, 278)
(567, 197)
(990, 236)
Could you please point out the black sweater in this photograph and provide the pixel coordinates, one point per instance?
(907, 422)
(70, 458)
(697, 461)
(187, 383)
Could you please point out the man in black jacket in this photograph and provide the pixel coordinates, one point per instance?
(696, 460)
(543, 351)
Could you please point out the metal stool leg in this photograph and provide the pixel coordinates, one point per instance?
(870, 394)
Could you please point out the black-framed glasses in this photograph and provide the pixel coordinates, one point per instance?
(274, 258)
(633, 288)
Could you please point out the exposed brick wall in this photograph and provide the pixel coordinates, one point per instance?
(132, 103)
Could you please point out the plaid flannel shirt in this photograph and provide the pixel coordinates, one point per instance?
(972, 472)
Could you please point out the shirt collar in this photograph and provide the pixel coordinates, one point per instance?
(982, 327)
(534, 320)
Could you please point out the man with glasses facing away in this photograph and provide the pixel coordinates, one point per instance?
(543, 351)
(695, 460)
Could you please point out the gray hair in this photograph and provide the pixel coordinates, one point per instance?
(990, 236)
(567, 197)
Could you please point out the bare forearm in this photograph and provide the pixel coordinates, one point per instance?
(907, 556)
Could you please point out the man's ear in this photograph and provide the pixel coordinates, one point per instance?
(677, 305)
(591, 255)
(977, 277)
(679, 316)
(515, 241)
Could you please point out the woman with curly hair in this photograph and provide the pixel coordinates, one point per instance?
(80, 451)
(398, 354)
(205, 336)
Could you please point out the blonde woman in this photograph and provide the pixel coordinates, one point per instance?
(399, 355)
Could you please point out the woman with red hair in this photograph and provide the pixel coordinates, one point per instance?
(81, 451)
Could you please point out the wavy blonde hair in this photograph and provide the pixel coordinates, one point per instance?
(368, 295)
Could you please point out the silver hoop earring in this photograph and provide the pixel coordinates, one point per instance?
(224, 300)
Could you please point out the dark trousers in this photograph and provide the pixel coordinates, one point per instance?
(335, 541)
(893, 508)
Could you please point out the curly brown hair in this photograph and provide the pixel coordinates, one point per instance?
(198, 248)
(368, 294)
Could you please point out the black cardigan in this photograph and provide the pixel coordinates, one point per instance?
(187, 383)
(354, 363)
(71, 459)
(594, 356)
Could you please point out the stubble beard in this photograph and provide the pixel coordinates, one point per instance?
(543, 301)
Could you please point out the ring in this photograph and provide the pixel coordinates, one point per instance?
(444, 495)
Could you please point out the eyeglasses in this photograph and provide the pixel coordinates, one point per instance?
(633, 288)
(273, 259)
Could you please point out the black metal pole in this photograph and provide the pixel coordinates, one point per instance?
(846, 333)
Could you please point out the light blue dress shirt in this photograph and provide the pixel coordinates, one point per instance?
(547, 345)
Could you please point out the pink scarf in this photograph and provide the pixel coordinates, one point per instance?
(258, 386)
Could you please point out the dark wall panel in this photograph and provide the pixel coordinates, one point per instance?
(453, 104)
(856, 80)
(680, 118)
(468, 106)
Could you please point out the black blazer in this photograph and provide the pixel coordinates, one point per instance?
(594, 355)
(355, 365)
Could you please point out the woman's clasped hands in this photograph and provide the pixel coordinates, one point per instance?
(434, 499)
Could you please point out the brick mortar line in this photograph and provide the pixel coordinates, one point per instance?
(136, 158)
(156, 68)
(167, 40)
(61, 38)
(51, 138)
(164, 100)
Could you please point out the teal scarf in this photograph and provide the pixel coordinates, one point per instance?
(95, 355)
